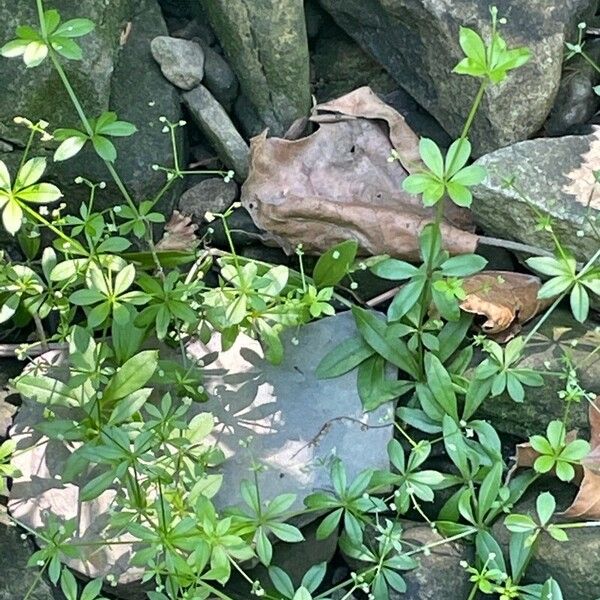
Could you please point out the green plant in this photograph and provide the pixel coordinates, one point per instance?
(132, 413)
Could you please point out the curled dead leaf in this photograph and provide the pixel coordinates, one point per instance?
(586, 505)
(338, 184)
(505, 300)
(179, 235)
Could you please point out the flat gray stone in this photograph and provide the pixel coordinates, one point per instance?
(214, 195)
(555, 176)
(218, 128)
(181, 61)
(297, 422)
(417, 42)
(298, 425)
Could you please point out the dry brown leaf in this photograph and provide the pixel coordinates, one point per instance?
(337, 184)
(179, 235)
(505, 299)
(587, 502)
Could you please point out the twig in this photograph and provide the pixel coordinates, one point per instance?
(10, 350)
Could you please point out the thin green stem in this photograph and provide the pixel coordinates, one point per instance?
(36, 581)
(74, 243)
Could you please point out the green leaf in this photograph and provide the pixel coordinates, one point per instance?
(314, 576)
(405, 299)
(463, 265)
(440, 384)
(333, 266)
(46, 390)
(104, 148)
(132, 376)
(302, 594)
(343, 358)
(329, 524)
(418, 183)
(394, 269)
(286, 532)
(68, 585)
(69, 148)
(470, 176)
(35, 53)
(432, 157)
(30, 172)
(96, 486)
(545, 506)
(75, 28)
(67, 48)
(129, 406)
(551, 591)
(473, 46)
(118, 129)
(489, 490)
(520, 523)
(459, 194)
(457, 156)
(580, 302)
(547, 265)
(92, 590)
(40, 193)
(12, 217)
(373, 331)
(282, 582)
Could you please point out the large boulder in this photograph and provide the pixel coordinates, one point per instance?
(266, 44)
(417, 42)
(552, 176)
(117, 73)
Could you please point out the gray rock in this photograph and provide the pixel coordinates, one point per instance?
(298, 423)
(574, 564)
(576, 102)
(249, 120)
(419, 120)
(136, 90)
(439, 574)
(559, 335)
(17, 578)
(214, 195)
(193, 30)
(554, 177)
(417, 42)
(266, 44)
(219, 77)
(181, 61)
(342, 66)
(315, 18)
(216, 125)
